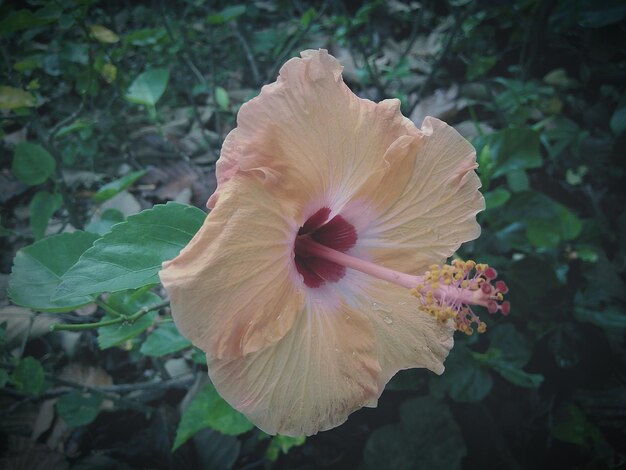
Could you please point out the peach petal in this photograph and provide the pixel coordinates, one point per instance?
(310, 134)
(423, 206)
(232, 287)
(321, 371)
(406, 337)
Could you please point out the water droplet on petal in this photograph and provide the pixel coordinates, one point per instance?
(377, 307)
(388, 320)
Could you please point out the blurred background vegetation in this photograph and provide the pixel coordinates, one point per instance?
(108, 108)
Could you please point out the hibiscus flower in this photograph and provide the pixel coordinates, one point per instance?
(330, 212)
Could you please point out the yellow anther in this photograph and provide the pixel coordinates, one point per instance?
(432, 267)
(482, 327)
(470, 264)
(481, 267)
(447, 281)
(464, 284)
(499, 296)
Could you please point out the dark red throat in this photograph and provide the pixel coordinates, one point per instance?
(336, 233)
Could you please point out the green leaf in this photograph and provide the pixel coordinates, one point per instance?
(282, 444)
(148, 87)
(38, 268)
(127, 303)
(209, 410)
(480, 65)
(28, 376)
(618, 120)
(517, 180)
(508, 352)
(24, 19)
(221, 98)
(464, 381)
(103, 223)
(543, 233)
(198, 357)
(131, 254)
(407, 380)
(307, 17)
(516, 375)
(227, 14)
(570, 225)
(599, 14)
(113, 188)
(426, 438)
(103, 34)
(166, 339)
(587, 253)
(26, 64)
(78, 409)
(4, 377)
(77, 125)
(611, 318)
(145, 37)
(12, 98)
(547, 222)
(496, 198)
(42, 208)
(216, 450)
(515, 149)
(32, 164)
(511, 344)
(572, 426)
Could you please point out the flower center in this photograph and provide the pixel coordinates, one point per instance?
(446, 292)
(336, 234)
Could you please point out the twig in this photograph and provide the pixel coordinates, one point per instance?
(218, 117)
(413, 36)
(248, 53)
(194, 70)
(26, 335)
(68, 119)
(458, 21)
(46, 140)
(294, 40)
(7, 60)
(110, 392)
(502, 121)
(120, 319)
(372, 71)
(534, 37)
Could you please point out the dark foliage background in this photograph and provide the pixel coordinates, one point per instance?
(107, 108)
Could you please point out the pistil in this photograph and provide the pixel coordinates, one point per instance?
(445, 292)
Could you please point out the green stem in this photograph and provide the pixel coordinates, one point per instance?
(47, 142)
(120, 319)
(107, 308)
